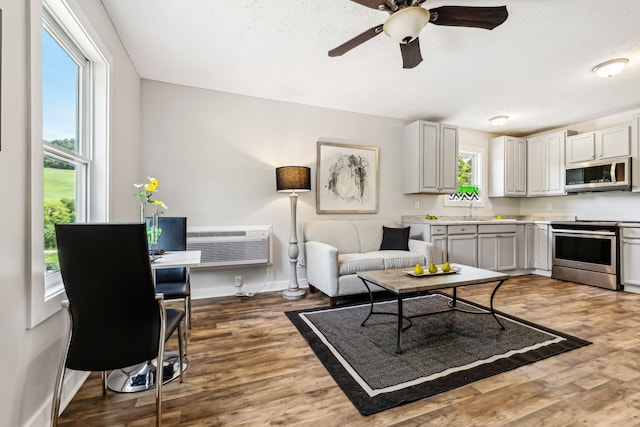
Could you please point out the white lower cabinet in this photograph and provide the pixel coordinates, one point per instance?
(497, 247)
(542, 247)
(436, 234)
(630, 252)
(507, 253)
(462, 249)
(492, 246)
(524, 246)
(497, 251)
(439, 254)
(529, 244)
(462, 244)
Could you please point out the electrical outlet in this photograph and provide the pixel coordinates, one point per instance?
(416, 205)
(549, 206)
(237, 281)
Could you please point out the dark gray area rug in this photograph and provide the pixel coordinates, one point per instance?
(441, 352)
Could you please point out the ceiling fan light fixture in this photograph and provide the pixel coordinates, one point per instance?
(610, 68)
(498, 120)
(405, 25)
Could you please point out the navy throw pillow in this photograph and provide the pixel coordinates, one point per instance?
(395, 239)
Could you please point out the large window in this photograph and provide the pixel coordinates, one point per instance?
(469, 179)
(69, 122)
(65, 148)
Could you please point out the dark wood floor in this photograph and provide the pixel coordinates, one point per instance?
(250, 367)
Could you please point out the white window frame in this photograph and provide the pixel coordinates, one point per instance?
(53, 282)
(478, 172)
(45, 299)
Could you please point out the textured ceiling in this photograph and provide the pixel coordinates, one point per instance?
(536, 67)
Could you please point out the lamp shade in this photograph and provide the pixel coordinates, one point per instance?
(293, 178)
(406, 24)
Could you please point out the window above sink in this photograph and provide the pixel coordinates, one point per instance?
(470, 180)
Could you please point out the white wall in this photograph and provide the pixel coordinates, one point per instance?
(215, 155)
(30, 357)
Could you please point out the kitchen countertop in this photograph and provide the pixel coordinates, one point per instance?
(455, 220)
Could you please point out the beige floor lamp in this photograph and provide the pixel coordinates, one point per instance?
(293, 179)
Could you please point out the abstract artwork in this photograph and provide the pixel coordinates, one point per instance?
(346, 178)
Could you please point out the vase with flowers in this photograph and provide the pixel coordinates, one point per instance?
(146, 194)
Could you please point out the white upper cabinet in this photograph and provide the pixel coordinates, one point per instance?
(635, 153)
(507, 167)
(580, 148)
(598, 145)
(430, 158)
(612, 143)
(545, 164)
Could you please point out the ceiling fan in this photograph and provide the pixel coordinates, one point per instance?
(408, 18)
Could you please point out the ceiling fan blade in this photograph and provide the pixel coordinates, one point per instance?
(373, 4)
(411, 55)
(356, 41)
(469, 16)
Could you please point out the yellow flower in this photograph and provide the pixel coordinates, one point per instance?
(161, 203)
(152, 185)
(147, 191)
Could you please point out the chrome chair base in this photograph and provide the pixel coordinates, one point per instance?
(142, 377)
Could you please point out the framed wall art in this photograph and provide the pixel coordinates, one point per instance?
(346, 178)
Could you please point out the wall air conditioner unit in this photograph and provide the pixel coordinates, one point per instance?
(231, 245)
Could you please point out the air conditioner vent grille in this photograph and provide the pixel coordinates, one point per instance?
(229, 247)
(216, 233)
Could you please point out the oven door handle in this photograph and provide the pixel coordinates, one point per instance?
(588, 233)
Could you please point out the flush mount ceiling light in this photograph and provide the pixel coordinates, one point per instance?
(610, 68)
(406, 24)
(498, 120)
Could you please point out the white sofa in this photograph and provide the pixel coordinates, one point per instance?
(335, 250)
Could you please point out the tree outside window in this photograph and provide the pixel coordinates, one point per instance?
(468, 178)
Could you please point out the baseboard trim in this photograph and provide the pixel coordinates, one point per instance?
(73, 380)
(251, 288)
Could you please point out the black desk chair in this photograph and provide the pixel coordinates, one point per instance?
(116, 318)
(173, 283)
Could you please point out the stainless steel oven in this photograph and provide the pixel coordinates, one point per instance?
(586, 252)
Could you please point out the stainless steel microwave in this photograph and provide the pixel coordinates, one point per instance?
(603, 175)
